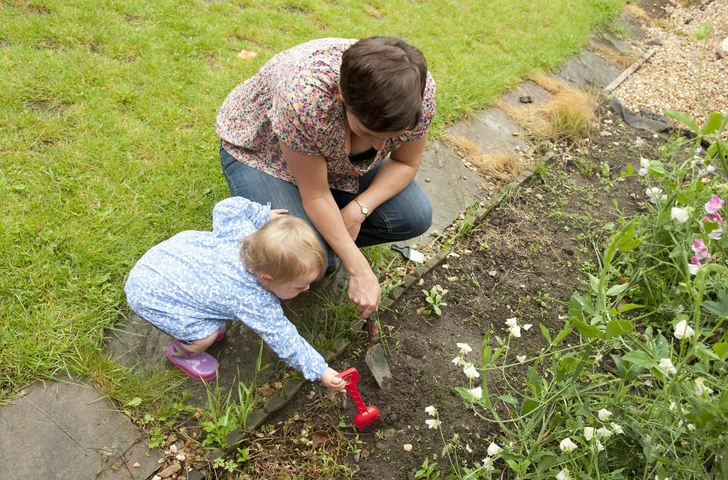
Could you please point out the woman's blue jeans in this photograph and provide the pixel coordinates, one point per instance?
(406, 215)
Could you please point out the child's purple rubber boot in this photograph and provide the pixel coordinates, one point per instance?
(200, 366)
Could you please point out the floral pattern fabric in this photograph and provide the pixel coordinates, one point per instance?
(294, 99)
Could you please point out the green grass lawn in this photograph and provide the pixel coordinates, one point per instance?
(108, 144)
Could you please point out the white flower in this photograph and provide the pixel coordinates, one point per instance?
(654, 194)
(488, 464)
(691, 427)
(604, 414)
(494, 449)
(644, 166)
(683, 330)
(604, 432)
(567, 445)
(511, 322)
(432, 423)
(527, 327)
(521, 358)
(458, 360)
(515, 331)
(672, 407)
(470, 371)
(468, 448)
(617, 429)
(563, 475)
(431, 410)
(701, 388)
(666, 366)
(599, 445)
(464, 348)
(680, 214)
(476, 392)
(589, 433)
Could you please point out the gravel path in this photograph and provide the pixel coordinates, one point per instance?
(669, 79)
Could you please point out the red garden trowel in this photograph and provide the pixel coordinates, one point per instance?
(368, 417)
(375, 359)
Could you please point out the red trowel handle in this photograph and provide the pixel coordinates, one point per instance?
(368, 417)
(351, 375)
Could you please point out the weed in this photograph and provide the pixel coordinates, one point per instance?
(427, 471)
(434, 300)
(223, 414)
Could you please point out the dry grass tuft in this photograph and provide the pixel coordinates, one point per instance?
(502, 167)
(638, 13)
(622, 61)
(568, 115)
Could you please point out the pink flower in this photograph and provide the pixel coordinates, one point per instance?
(714, 204)
(701, 251)
(716, 232)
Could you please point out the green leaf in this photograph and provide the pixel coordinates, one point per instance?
(683, 118)
(528, 406)
(626, 374)
(631, 245)
(562, 335)
(629, 172)
(594, 284)
(547, 463)
(566, 366)
(617, 289)
(656, 169)
(545, 332)
(579, 304)
(721, 349)
(509, 399)
(629, 306)
(589, 331)
(615, 328)
(533, 380)
(719, 308)
(713, 123)
(639, 358)
(134, 402)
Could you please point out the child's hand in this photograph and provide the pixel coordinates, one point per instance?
(278, 212)
(332, 381)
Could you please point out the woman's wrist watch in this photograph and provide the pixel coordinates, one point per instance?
(364, 209)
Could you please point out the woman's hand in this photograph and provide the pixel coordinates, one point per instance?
(332, 381)
(365, 292)
(278, 212)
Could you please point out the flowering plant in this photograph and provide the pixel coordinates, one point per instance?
(640, 389)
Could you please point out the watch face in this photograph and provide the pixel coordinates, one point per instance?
(364, 210)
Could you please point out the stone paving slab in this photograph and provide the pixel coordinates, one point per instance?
(64, 430)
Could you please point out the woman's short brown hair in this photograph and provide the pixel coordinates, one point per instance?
(382, 83)
(286, 248)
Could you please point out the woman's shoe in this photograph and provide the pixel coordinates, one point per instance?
(200, 366)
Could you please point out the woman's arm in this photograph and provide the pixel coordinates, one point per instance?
(392, 178)
(310, 175)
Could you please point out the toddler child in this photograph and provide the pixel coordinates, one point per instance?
(189, 285)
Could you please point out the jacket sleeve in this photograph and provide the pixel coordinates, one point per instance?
(265, 317)
(238, 217)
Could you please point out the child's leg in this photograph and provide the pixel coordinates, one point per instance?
(199, 346)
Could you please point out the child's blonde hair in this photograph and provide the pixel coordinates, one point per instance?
(285, 248)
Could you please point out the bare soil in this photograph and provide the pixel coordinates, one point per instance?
(524, 260)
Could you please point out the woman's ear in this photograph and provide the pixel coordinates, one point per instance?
(339, 96)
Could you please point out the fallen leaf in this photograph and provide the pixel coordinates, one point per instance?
(319, 438)
(247, 54)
